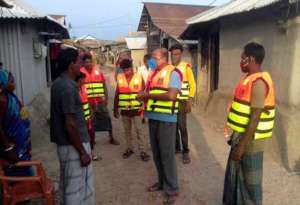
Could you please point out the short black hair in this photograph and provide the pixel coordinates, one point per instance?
(255, 50)
(126, 63)
(87, 56)
(176, 47)
(147, 56)
(66, 57)
(1, 64)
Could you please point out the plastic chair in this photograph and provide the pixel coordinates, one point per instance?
(20, 189)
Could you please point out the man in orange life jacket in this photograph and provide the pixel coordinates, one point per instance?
(161, 110)
(251, 117)
(98, 97)
(87, 111)
(185, 97)
(129, 84)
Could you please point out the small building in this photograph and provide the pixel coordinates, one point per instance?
(222, 33)
(137, 44)
(114, 48)
(164, 23)
(24, 35)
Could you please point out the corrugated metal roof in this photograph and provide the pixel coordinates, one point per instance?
(22, 10)
(4, 4)
(171, 18)
(233, 7)
(86, 37)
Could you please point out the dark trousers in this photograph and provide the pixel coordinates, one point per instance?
(162, 138)
(101, 118)
(182, 132)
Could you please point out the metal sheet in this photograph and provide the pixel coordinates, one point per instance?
(10, 52)
(23, 11)
(233, 7)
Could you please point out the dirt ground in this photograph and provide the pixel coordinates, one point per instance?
(124, 182)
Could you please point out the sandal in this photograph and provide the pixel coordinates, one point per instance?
(96, 157)
(155, 187)
(169, 199)
(145, 157)
(186, 158)
(127, 153)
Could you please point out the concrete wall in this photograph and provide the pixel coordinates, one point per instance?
(202, 81)
(16, 52)
(282, 61)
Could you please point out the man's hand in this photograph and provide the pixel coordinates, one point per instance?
(238, 152)
(116, 113)
(142, 96)
(189, 104)
(85, 159)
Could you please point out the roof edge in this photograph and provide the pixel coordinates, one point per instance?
(197, 18)
(178, 4)
(4, 4)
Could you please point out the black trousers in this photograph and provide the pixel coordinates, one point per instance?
(182, 133)
(162, 138)
(101, 119)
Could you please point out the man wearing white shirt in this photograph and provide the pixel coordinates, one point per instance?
(144, 69)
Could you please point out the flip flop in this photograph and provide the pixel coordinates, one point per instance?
(96, 157)
(145, 157)
(169, 199)
(127, 153)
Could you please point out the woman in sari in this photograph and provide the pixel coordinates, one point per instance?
(14, 127)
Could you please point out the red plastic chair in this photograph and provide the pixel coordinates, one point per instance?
(20, 189)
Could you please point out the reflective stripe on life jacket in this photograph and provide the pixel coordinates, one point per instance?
(185, 88)
(128, 92)
(158, 85)
(94, 82)
(85, 104)
(240, 110)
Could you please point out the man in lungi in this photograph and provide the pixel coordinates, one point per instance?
(251, 117)
(69, 132)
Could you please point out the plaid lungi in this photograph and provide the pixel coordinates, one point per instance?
(76, 182)
(243, 179)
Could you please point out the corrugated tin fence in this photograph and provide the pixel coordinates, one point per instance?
(10, 51)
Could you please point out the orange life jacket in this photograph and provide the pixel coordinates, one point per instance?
(128, 92)
(240, 110)
(95, 84)
(85, 103)
(160, 84)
